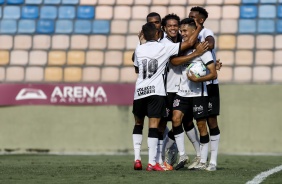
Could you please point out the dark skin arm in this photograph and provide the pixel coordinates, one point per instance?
(211, 76)
(211, 41)
(200, 49)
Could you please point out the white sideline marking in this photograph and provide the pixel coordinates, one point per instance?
(259, 178)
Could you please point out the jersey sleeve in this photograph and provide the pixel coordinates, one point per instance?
(134, 57)
(172, 49)
(207, 58)
(208, 33)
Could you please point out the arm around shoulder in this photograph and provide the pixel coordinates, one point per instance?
(200, 49)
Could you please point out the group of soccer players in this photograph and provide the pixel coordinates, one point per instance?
(164, 92)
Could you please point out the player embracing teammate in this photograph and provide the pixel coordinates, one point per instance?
(199, 14)
(146, 107)
(151, 59)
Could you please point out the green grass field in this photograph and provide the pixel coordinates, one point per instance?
(29, 169)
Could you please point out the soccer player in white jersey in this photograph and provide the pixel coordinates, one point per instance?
(154, 18)
(171, 24)
(137, 137)
(199, 14)
(149, 97)
(192, 99)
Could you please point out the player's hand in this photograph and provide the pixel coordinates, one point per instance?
(218, 65)
(202, 48)
(198, 25)
(141, 38)
(191, 76)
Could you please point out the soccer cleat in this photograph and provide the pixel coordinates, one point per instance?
(163, 166)
(195, 162)
(201, 166)
(168, 166)
(156, 167)
(211, 167)
(183, 160)
(137, 165)
(171, 156)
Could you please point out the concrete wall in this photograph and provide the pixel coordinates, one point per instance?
(250, 122)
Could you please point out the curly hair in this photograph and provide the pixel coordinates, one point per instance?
(170, 16)
(202, 11)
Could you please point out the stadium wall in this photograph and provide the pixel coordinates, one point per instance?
(250, 122)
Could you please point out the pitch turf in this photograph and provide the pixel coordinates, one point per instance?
(39, 169)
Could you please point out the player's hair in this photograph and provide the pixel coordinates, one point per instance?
(189, 21)
(202, 11)
(170, 16)
(149, 30)
(153, 14)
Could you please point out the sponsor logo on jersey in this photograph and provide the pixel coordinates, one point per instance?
(198, 109)
(31, 94)
(186, 91)
(78, 94)
(146, 90)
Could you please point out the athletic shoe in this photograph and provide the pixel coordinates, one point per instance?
(211, 167)
(183, 160)
(163, 166)
(195, 162)
(171, 156)
(156, 167)
(169, 167)
(137, 165)
(201, 166)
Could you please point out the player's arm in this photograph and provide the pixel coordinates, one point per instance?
(200, 49)
(211, 41)
(192, 39)
(211, 76)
